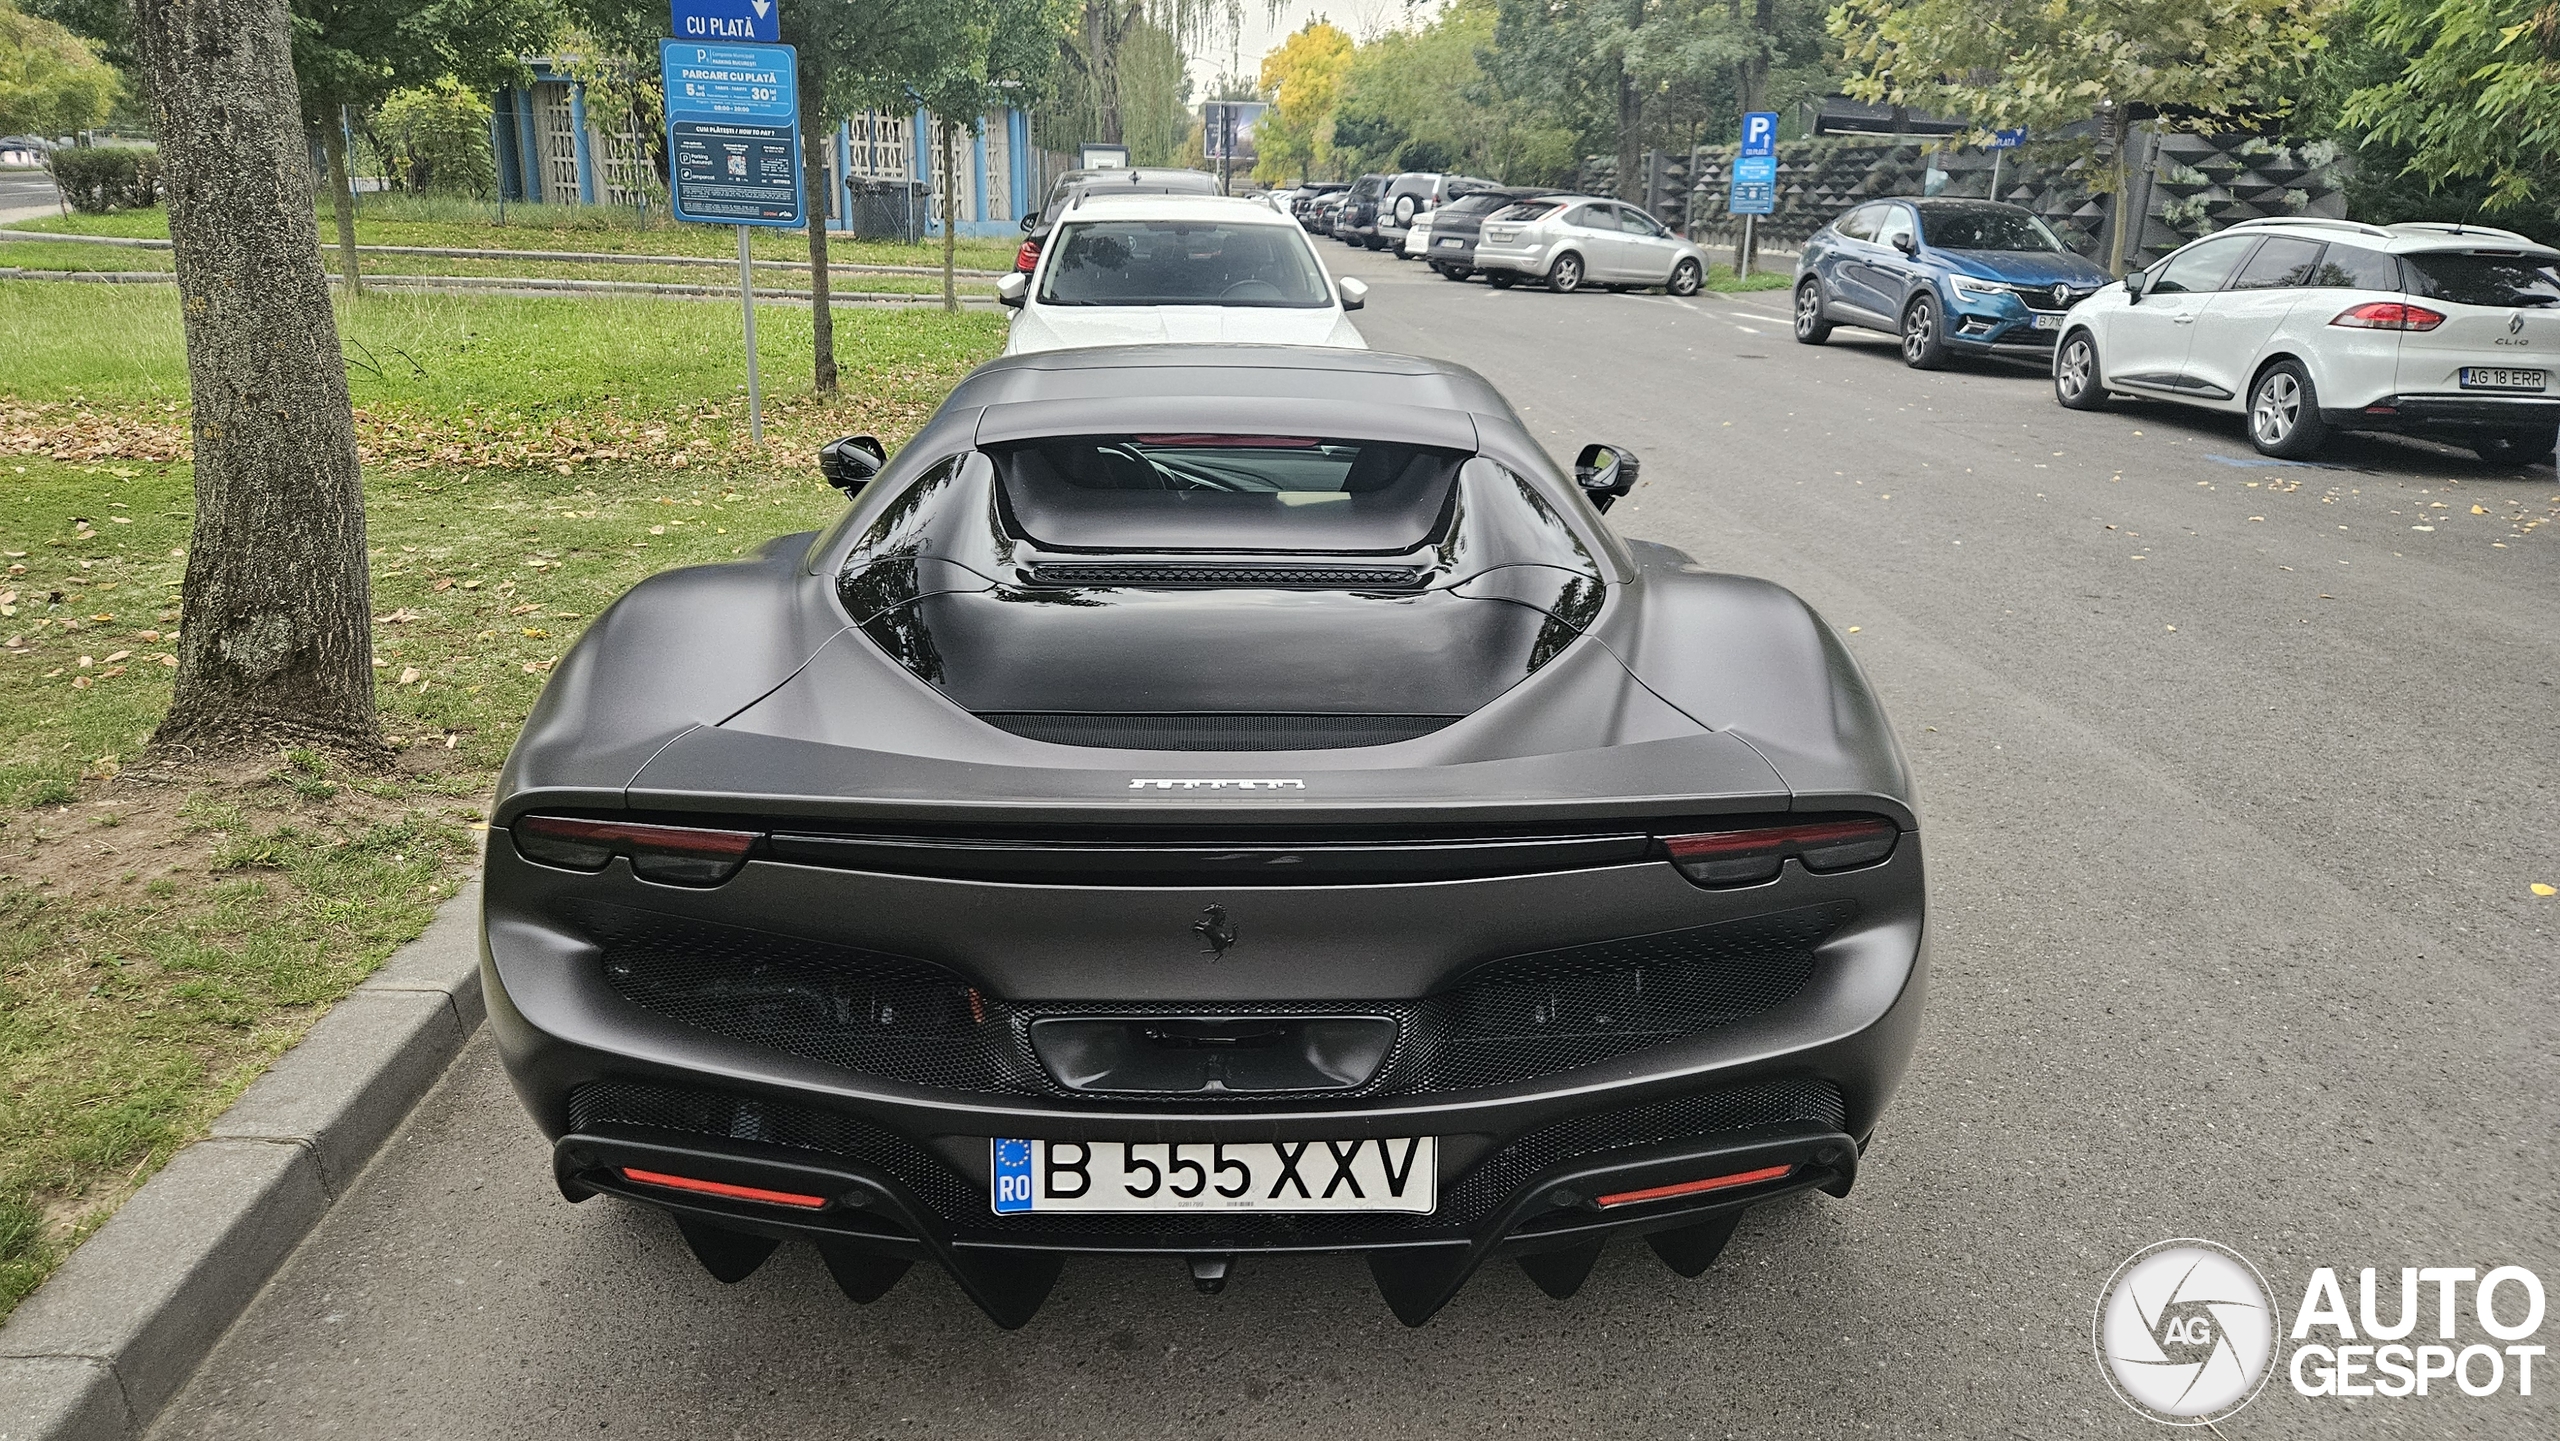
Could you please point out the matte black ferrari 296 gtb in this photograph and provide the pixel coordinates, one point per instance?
(1207, 802)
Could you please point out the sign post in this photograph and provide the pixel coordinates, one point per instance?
(733, 149)
(2002, 142)
(1754, 191)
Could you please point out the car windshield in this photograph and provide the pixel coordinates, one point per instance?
(1985, 227)
(2471, 278)
(1183, 262)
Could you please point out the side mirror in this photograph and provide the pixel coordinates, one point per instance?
(2135, 283)
(1029, 221)
(1355, 292)
(849, 464)
(1012, 289)
(1906, 243)
(1605, 472)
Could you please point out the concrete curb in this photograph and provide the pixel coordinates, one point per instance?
(96, 1353)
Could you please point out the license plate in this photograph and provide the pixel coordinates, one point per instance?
(2048, 322)
(2492, 377)
(1364, 1175)
(1453, 242)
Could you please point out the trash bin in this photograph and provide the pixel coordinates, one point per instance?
(889, 209)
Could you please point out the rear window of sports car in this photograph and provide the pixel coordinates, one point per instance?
(1184, 262)
(1218, 492)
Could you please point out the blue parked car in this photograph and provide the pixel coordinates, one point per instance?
(1951, 277)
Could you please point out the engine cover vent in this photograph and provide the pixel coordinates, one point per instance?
(1215, 731)
(1331, 577)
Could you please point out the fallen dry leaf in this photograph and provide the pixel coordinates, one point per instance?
(409, 676)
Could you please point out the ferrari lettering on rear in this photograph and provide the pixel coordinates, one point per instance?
(1208, 784)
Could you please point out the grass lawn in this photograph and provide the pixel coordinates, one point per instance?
(71, 255)
(1721, 280)
(165, 932)
(396, 220)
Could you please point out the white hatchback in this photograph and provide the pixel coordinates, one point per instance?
(2312, 326)
(1150, 269)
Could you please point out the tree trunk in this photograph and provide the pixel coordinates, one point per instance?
(2116, 249)
(277, 639)
(950, 211)
(818, 141)
(342, 199)
(1102, 52)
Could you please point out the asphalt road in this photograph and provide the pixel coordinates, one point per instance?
(27, 195)
(2236, 776)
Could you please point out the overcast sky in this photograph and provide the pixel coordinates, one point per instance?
(1264, 29)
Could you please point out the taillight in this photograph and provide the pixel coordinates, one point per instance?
(1694, 1188)
(1027, 257)
(2388, 315)
(723, 1189)
(669, 855)
(1745, 858)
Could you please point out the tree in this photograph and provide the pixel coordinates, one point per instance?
(1303, 76)
(2479, 99)
(277, 640)
(1003, 57)
(434, 140)
(350, 54)
(2002, 63)
(51, 81)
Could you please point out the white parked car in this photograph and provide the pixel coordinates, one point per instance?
(2310, 326)
(1417, 237)
(1143, 269)
(1570, 241)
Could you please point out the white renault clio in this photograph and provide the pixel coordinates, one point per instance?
(1148, 269)
(2311, 326)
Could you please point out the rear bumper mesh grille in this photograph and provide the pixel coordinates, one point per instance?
(1504, 1022)
(1327, 576)
(1791, 1101)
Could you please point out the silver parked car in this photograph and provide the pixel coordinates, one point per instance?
(1570, 241)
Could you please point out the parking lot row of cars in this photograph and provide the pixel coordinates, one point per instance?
(2305, 326)
(1464, 227)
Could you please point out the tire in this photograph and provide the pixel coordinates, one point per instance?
(2518, 447)
(2077, 381)
(1375, 242)
(1924, 334)
(1811, 328)
(1565, 276)
(2284, 412)
(1501, 279)
(1686, 278)
(1457, 273)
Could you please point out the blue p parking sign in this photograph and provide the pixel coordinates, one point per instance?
(733, 142)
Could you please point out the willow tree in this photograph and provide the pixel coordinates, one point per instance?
(277, 640)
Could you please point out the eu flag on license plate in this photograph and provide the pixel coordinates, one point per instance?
(1013, 1176)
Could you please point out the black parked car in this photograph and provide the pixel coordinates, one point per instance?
(1203, 801)
(1117, 180)
(1357, 224)
(1456, 226)
(1309, 201)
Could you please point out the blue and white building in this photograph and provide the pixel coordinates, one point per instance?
(551, 151)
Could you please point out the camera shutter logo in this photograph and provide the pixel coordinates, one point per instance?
(2185, 1332)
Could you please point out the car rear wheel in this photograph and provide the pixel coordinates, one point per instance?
(2519, 447)
(1453, 272)
(2076, 381)
(1811, 328)
(1686, 277)
(1924, 340)
(1501, 279)
(1565, 277)
(2284, 412)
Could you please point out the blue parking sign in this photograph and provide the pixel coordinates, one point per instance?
(733, 132)
(730, 20)
(1759, 133)
(1755, 186)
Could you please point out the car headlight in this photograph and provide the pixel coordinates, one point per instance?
(1968, 288)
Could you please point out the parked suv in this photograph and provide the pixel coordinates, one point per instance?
(1456, 226)
(1309, 199)
(2311, 326)
(1570, 241)
(1413, 195)
(1951, 277)
(1116, 180)
(1357, 223)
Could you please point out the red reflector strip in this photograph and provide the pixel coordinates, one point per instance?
(722, 1188)
(1692, 1188)
(686, 840)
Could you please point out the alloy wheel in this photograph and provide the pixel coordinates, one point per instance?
(2277, 410)
(1684, 278)
(1567, 276)
(1919, 328)
(1808, 309)
(2075, 369)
